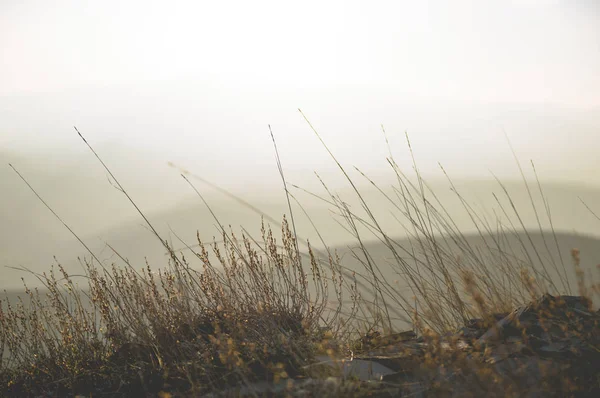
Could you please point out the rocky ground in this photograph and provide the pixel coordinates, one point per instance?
(550, 347)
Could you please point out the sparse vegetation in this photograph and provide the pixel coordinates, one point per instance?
(262, 310)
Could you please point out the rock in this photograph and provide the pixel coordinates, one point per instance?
(523, 352)
(544, 348)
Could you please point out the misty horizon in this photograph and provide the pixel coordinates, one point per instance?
(201, 85)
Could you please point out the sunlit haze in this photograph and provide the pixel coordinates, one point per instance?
(198, 83)
(203, 79)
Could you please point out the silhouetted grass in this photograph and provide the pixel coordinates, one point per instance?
(262, 309)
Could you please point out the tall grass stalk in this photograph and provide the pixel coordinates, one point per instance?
(251, 308)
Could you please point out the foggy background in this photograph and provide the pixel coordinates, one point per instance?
(197, 83)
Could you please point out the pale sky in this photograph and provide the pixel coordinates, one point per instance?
(198, 82)
(200, 79)
(515, 50)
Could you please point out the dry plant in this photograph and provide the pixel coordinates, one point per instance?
(448, 279)
(253, 311)
(261, 309)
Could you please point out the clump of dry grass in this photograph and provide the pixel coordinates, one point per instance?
(449, 280)
(261, 309)
(255, 310)
(253, 316)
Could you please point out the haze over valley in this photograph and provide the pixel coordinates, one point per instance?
(203, 85)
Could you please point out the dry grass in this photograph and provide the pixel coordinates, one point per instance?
(261, 309)
(254, 316)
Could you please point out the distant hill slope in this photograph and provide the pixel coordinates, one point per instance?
(589, 248)
(550, 253)
(78, 190)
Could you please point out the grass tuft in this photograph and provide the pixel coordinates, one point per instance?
(249, 311)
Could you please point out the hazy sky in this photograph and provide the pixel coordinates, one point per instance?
(199, 81)
(516, 50)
